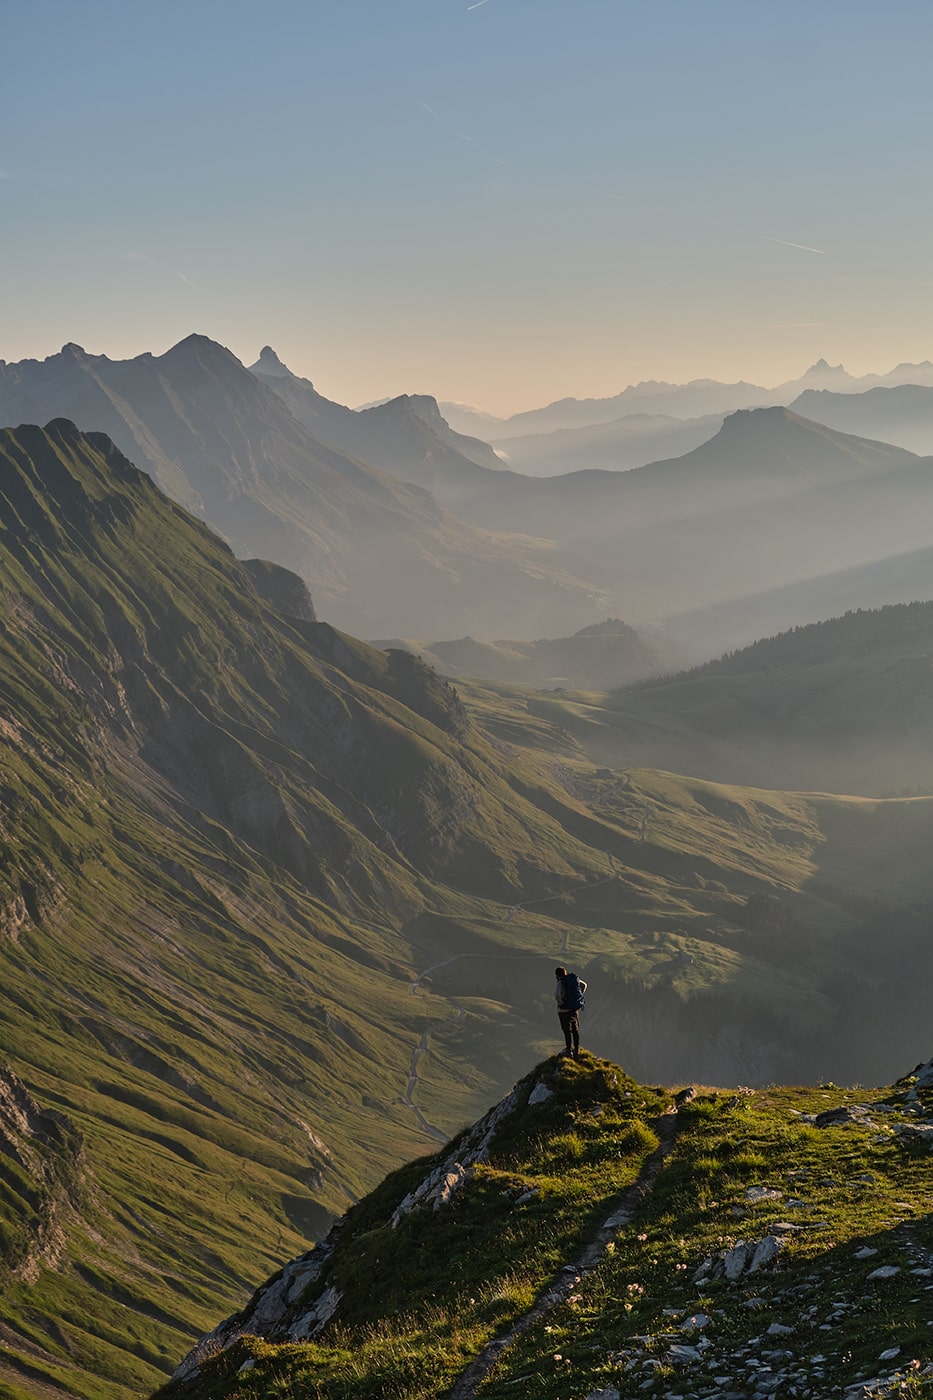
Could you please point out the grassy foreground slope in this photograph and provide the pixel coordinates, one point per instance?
(612, 1241)
(843, 706)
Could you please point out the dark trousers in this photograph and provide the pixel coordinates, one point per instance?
(570, 1025)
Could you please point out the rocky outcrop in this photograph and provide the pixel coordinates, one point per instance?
(288, 1308)
(40, 1163)
(283, 590)
(456, 1170)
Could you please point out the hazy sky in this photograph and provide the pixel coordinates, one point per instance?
(500, 202)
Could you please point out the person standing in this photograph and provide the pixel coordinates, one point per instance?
(568, 993)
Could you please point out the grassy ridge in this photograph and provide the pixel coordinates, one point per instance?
(651, 1314)
(843, 705)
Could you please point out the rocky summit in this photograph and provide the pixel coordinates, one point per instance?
(594, 1239)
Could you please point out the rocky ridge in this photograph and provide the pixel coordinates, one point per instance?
(824, 1294)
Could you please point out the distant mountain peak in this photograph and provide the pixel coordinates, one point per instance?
(823, 373)
(269, 363)
(423, 406)
(195, 344)
(744, 417)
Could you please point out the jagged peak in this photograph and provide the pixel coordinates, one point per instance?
(270, 364)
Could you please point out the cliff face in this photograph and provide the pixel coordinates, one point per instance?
(41, 1171)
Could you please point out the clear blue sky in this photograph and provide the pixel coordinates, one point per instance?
(500, 202)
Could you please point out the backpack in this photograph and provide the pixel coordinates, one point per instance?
(573, 997)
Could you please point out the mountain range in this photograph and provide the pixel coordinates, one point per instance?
(771, 500)
(380, 555)
(843, 706)
(402, 527)
(691, 400)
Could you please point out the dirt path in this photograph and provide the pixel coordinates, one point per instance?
(569, 1277)
(547, 898)
(420, 1049)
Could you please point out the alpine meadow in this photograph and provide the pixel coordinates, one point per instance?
(466, 701)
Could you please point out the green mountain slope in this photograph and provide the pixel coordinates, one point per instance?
(278, 911)
(844, 705)
(590, 1237)
(232, 839)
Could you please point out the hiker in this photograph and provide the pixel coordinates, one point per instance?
(568, 993)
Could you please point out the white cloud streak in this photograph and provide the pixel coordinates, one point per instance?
(724, 228)
(156, 266)
(460, 135)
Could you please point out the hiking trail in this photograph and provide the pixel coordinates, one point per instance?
(570, 1275)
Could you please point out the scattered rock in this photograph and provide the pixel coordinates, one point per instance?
(539, 1094)
(742, 1258)
(915, 1134)
(886, 1271)
(847, 1115)
(924, 1075)
(682, 1355)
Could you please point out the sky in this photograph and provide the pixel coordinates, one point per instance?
(500, 202)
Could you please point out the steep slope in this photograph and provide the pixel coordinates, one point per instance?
(844, 705)
(596, 1238)
(380, 555)
(232, 840)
